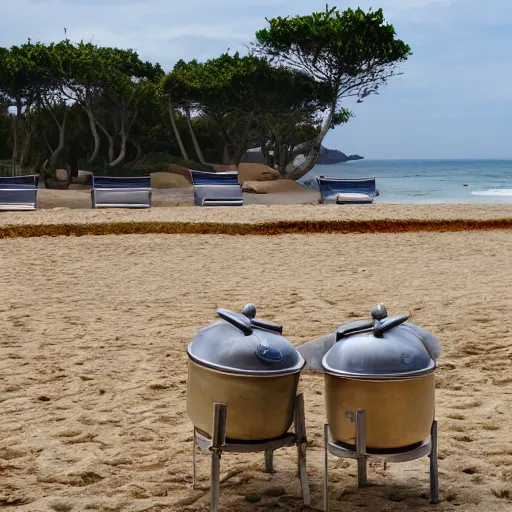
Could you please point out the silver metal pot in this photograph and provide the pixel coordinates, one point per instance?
(385, 366)
(246, 363)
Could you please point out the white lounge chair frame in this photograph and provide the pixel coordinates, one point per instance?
(217, 188)
(18, 192)
(346, 191)
(121, 192)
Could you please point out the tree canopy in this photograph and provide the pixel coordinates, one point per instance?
(353, 52)
(113, 107)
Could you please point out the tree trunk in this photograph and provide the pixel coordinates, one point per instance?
(14, 144)
(269, 159)
(241, 147)
(302, 169)
(176, 132)
(92, 124)
(139, 154)
(226, 159)
(110, 141)
(74, 149)
(62, 134)
(197, 148)
(25, 148)
(122, 151)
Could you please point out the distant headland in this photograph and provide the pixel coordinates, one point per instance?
(325, 157)
(334, 156)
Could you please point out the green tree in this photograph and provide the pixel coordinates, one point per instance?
(291, 118)
(20, 89)
(353, 52)
(181, 93)
(243, 94)
(83, 80)
(125, 85)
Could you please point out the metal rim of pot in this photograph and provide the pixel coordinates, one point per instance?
(251, 327)
(383, 376)
(227, 370)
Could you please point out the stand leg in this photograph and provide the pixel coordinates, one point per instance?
(326, 468)
(269, 461)
(361, 448)
(218, 441)
(194, 449)
(300, 434)
(434, 475)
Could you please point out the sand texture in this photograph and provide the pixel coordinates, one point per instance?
(93, 364)
(259, 213)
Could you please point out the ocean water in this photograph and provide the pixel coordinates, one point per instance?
(429, 181)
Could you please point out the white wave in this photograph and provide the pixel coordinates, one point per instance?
(493, 192)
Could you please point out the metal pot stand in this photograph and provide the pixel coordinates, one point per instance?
(219, 444)
(427, 448)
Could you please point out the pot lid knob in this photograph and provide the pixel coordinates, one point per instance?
(238, 320)
(249, 310)
(378, 311)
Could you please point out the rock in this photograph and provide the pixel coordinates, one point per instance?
(268, 176)
(84, 177)
(62, 174)
(168, 180)
(270, 187)
(254, 187)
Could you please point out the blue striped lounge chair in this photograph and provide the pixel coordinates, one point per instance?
(130, 192)
(346, 191)
(18, 192)
(216, 188)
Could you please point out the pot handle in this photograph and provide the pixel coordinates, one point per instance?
(262, 324)
(354, 327)
(238, 320)
(380, 327)
(249, 310)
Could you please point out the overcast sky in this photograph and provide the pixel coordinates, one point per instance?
(454, 99)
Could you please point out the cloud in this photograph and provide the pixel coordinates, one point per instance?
(461, 65)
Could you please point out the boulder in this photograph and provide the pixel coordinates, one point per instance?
(84, 177)
(271, 187)
(250, 172)
(168, 180)
(62, 174)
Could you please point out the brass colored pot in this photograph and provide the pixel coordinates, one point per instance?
(259, 406)
(399, 413)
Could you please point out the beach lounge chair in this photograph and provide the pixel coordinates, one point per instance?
(216, 188)
(132, 192)
(18, 192)
(346, 191)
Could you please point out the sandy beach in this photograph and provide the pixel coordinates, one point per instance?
(260, 213)
(93, 362)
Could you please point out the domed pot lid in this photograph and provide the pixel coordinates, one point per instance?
(240, 343)
(381, 348)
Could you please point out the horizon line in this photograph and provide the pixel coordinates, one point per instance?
(483, 159)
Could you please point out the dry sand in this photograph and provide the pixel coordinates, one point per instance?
(259, 213)
(181, 194)
(93, 364)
